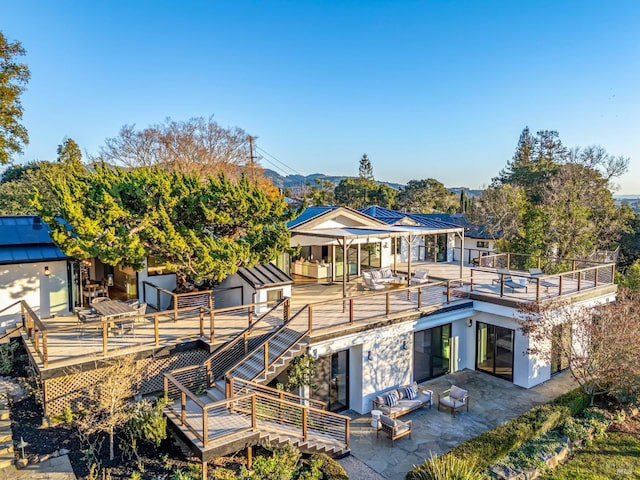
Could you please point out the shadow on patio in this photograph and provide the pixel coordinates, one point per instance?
(492, 402)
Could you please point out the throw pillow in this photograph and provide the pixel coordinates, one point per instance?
(392, 399)
(412, 393)
(457, 392)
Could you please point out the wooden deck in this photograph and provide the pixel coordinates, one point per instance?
(62, 341)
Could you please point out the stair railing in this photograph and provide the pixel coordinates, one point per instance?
(198, 378)
(261, 352)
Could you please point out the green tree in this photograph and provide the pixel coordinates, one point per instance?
(19, 182)
(630, 278)
(565, 207)
(365, 170)
(14, 77)
(205, 229)
(426, 196)
(321, 193)
(353, 192)
(630, 240)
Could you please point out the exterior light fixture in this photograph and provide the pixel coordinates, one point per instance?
(404, 345)
(470, 324)
(369, 356)
(47, 272)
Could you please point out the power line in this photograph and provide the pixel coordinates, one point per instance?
(279, 161)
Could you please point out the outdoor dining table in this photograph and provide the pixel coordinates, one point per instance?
(110, 309)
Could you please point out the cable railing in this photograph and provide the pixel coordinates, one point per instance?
(254, 412)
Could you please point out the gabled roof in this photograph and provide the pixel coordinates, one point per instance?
(264, 276)
(309, 213)
(26, 239)
(314, 217)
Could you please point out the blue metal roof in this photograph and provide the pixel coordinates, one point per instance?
(26, 239)
(309, 213)
(390, 217)
(473, 230)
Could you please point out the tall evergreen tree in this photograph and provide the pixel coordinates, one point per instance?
(366, 170)
(14, 77)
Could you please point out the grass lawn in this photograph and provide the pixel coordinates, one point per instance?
(616, 456)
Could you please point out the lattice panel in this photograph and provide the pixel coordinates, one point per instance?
(71, 390)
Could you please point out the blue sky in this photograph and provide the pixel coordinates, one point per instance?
(438, 89)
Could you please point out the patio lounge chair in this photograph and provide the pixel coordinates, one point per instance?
(420, 277)
(370, 283)
(537, 273)
(394, 429)
(504, 276)
(454, 398)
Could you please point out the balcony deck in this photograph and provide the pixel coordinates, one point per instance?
(61, 341)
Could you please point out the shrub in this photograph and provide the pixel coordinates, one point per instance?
(224, 474)
(314, 470)
(576, 400)
(530, 455)
(331, 470)
(446, 467)
(281, 465)
(6, 357)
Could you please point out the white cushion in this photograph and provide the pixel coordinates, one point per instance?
(421, 274)
(457, 393)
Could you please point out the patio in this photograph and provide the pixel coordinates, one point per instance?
(492, 402)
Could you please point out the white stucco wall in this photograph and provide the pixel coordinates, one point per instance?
(390, 364)
(168, 282)
(47, 295)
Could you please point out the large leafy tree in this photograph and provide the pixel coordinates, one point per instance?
(565, 206)
(18, 182)
(600, 345)
(198, 145)
(203, 228)
(14, 77)
(427, 196)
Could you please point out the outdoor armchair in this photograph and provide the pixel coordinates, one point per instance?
(455, 398)
(393, 429)
(420, 277)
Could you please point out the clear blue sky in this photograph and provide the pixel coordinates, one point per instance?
(437, 89)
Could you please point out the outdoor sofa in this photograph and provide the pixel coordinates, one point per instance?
(407, 398)
(378, 278)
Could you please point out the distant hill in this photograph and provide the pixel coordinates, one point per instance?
(298, 182)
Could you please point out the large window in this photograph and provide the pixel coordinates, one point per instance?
(370, 255)
(494, 351)
(431, 352)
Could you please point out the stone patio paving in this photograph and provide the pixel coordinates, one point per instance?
(492, 402)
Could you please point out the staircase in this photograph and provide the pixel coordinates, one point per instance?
(225, 401)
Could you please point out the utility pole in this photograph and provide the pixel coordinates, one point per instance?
(252, 159)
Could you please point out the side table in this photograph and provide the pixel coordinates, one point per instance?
(375, 418)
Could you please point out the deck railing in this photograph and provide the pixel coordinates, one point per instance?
(204, 323)
(254, 412)
(155, 297)
(522, 262)
(198, 378)
(548, 286)
(40, 332)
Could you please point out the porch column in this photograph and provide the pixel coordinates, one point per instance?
(461, 251)
(345, 265)
(410, 247)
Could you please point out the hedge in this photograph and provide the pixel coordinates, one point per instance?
(488, 447)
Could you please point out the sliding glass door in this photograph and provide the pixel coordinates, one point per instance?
(494, 351)
(431, 352)
(332, 379)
